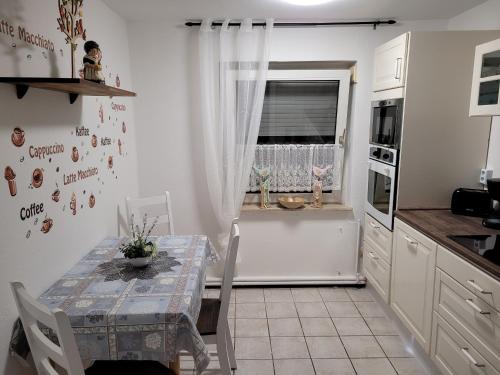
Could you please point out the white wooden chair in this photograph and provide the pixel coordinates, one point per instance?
(138, 206)
(212, 323)
(47, 355)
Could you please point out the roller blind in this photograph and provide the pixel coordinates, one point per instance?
(299, 112)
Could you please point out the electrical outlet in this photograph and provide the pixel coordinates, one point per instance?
(486, 174)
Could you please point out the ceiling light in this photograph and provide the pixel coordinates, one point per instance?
(307, 2)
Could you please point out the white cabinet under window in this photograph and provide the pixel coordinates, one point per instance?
(390, 64)
(485, 94)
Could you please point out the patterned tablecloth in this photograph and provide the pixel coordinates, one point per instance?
(120, 312)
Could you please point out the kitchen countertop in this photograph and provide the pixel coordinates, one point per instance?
(438, 224)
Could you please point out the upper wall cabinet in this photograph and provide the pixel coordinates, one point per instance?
(485, 91)
(390, 64)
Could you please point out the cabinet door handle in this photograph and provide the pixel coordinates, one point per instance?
(411, 241)
(471, 358)
(399, 60)
(471, 303)
(371, 254)
(473, 284)
(374, 226)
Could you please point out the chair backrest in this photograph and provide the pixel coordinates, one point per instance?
(227, 278)
(138, 207)
(43, 350)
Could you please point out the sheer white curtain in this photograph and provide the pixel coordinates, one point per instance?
(233, 72)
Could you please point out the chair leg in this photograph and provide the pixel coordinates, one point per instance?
(230, 349)
(222, 353)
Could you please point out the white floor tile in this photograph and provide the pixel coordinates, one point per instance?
(244, 295)
(370, 309)
(278, 295)
(334, 294)
(312, 310)
(381, 326)
(326, 347)
(285, 327)
(281, 310)
(342, 310)
(289, 347)
(373, 366)
(306, 295)
(250, 310)
(318, 327)
(254, 367)
(362, 347)
(360, 294)
(393, 346)
(333, 367)
(293, 367)
(251, 328)
(351, 326)
(253, 348)
(408, 366)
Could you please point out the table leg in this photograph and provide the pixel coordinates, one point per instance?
(175, 366)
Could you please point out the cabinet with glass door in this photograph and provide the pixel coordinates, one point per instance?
(485, 94)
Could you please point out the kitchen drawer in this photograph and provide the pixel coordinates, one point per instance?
(379, 236)
(377, 270)
(453, 355)
(473, 318)
(472, 278)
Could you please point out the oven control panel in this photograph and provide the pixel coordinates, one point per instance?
(385, 155)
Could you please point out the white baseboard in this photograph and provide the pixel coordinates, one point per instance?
(248, 281)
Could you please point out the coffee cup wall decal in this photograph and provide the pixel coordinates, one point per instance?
(47, 225)
(72, 203)
(56, 195)
(10, 176)
(91, 201)
(110, 161)
(37, 178)
(94, 140)
(74, 154)
(17, 137)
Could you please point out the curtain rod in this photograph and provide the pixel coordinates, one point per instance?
(373, 23)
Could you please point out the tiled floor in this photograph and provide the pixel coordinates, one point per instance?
(308, 331)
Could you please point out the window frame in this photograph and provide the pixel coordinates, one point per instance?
(341, 75)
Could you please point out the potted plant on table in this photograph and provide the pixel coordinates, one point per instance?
(140, 251)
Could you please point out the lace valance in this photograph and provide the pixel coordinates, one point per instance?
(290, 166)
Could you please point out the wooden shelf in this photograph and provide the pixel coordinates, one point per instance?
(255, 207)
(72, 86)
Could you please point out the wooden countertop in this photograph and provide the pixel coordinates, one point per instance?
(438, 224)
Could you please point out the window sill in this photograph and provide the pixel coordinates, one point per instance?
(255, 207)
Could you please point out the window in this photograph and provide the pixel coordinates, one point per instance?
(303, 125)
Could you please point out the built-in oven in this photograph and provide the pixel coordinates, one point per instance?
(382, 184)
(386, 121)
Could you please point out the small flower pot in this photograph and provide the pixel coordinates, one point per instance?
(140, 262)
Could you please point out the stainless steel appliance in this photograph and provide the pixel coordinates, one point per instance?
(493, 219)
(386, 120)
(382, 183)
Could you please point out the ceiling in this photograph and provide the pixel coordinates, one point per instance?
(279, 9)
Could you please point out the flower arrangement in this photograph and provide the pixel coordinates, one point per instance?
(139, 245)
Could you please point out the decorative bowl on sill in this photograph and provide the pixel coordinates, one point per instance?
(291, 202)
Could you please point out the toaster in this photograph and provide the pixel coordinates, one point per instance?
(471, 202)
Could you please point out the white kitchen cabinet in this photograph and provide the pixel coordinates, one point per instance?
(485, 93)
(412, 281)
(390, 64)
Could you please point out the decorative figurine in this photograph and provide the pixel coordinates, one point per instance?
(264, 186)
(92, 69)
(71, 24)
(319, 174)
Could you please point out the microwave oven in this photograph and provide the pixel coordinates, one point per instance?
(386, 123)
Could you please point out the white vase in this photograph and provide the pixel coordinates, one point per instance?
(140, 262)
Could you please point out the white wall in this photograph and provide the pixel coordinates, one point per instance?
(48, 118)
(167, 111)
(484, 17)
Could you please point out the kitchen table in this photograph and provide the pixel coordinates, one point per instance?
(119, 312)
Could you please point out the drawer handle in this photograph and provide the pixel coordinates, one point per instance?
(476, 307)
(411, 241)
(374, 226)
(471, 358)
(477, 287)
(371, 254)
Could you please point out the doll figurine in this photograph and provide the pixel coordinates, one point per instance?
(92, 69)
(319, 174)
(264, 186)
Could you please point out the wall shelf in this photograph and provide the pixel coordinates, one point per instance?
(74, 87)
